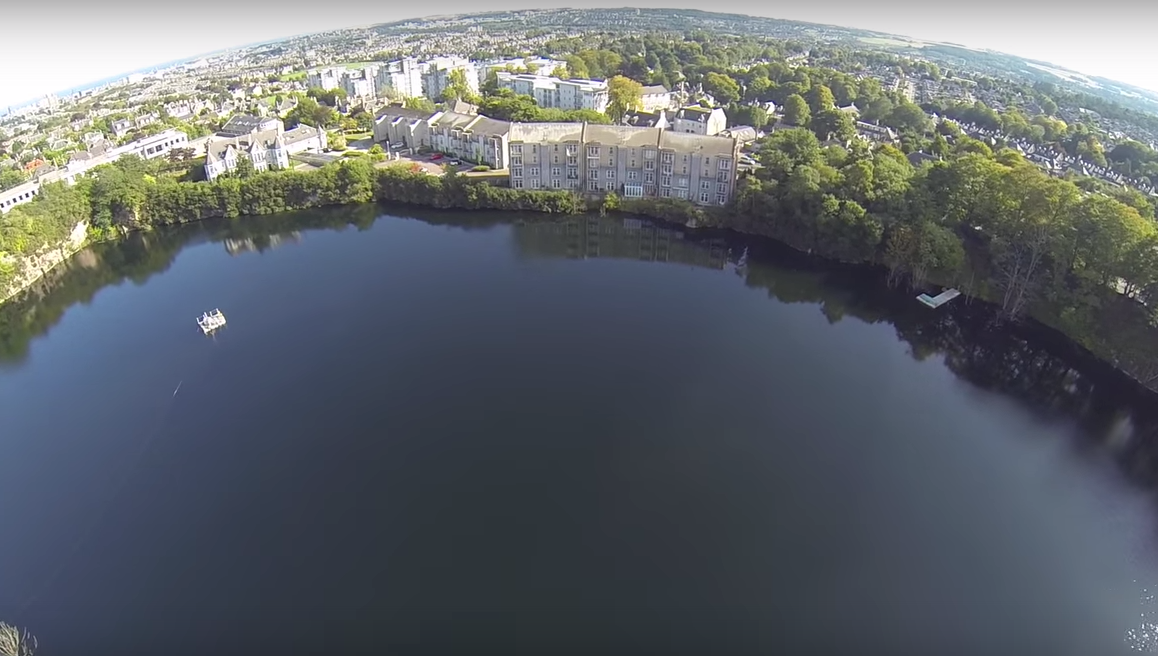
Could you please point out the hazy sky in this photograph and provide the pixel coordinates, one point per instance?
(50, 47)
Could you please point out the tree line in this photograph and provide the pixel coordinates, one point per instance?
(989, 223)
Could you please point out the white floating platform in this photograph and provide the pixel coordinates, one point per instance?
(940, 299)
(211, 321)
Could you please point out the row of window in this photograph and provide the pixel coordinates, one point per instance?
(630, 191)
(668, 158)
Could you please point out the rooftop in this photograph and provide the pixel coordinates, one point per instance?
(398, 111)
(489, 126)
(707, 145)
(300, 133)
(622, 135)
(546, 132)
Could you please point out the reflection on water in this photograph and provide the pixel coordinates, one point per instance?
(1025, 363)
(1144, 637)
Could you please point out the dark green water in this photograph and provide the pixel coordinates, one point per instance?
(445, 433)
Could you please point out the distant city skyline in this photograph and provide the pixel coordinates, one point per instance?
(83, 43)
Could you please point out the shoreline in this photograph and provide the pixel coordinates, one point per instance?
(440, 193)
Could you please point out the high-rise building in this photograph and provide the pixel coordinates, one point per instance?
(401, 79)
(436, 75)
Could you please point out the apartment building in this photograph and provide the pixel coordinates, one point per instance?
(401, 78)
(359, 84)
(467, 136)
(471, 137)
(325, 78)
(539, 65)
(636, 162)
(436, 75)
(556, 93)
(399, 127)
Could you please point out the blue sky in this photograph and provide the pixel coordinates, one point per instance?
(44, 52)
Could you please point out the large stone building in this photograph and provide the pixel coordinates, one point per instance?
(556, 93)
(267, 149)
(633, 161)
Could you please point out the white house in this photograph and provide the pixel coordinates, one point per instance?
(699, 120)
(121, 127)
(267, 149)
(155, 146)
(655, 98)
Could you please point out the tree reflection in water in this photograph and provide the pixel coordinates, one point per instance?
(1028, 362)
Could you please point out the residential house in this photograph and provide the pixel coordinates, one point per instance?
(655, 98)
(744, 134)
(634, 161)
(555, 93)
(121, 127)
(852, 110)
(145, 120)
(657, 119)
(700, 120)
(267, 149)
(240, 125)
(873, 132)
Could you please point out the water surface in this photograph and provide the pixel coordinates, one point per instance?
(483, 432)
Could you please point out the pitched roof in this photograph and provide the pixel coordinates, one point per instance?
(489, 126)
(694, 113)
(622, 135)
(300, 133)
(546, 132)
(646, 119)
(704, 144)
(655, 89)
(451, 120)
(240, 124)
(398, 111)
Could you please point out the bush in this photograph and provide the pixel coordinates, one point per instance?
(480, 168)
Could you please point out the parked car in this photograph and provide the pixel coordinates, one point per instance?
(435, 157)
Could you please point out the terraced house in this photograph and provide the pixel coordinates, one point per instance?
(635, 162)
(467, 136)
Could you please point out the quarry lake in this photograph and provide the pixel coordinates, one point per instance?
(426, 432)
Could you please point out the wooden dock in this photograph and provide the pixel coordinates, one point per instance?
(940, 299)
